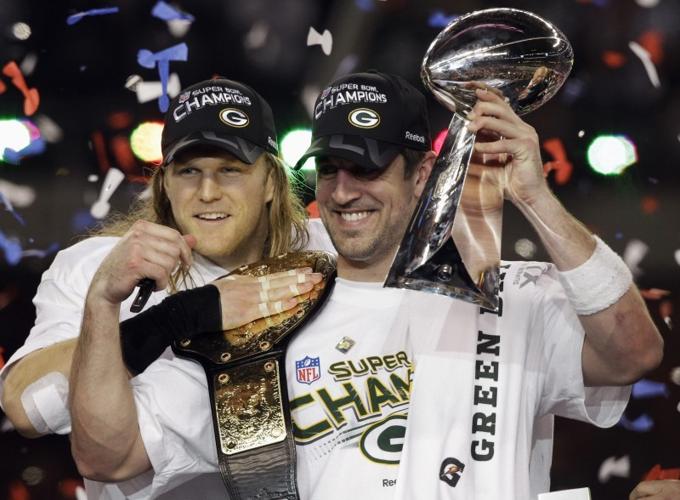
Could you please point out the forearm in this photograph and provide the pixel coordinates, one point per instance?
(568, 242)
(54, 359)
(105, 439)
(622, 342)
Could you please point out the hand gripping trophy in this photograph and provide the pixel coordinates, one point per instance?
(452, 244)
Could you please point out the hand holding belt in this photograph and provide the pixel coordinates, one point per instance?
(246, 375)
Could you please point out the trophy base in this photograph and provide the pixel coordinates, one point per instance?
(445, 274)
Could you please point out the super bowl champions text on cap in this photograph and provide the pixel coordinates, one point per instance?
(348, 93)
(215, 95)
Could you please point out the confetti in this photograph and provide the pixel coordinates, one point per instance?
(613, 59)
(29, 63)
(614, 467)
(654, 293)
(256, 36)
(676, 255)
(167, 12)
(644, 56)
(666, 311)
(12, 249)
(325, 40)
(74, 18)
(561, 165)
(8, 206)
(14, 157)
(645, 389)
(633, 254)
(643, 423)
(440, 20)
(675, 375)
(657, 472)
(525, 248)
(148, 91)
(16, 195)
(101, 207)
(162, 59)
(31, 96)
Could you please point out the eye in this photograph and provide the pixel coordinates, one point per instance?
(230, 170)
(188, 171)
(326, 170)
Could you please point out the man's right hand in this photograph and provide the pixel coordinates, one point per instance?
(147, 250)
(247, 298)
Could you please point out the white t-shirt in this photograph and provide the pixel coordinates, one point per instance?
(484, 391)
(59, 308)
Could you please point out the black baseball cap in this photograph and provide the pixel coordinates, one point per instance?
(222, 113)
(369, 118)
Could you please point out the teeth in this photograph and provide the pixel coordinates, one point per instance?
(353, 216)
(212, 216)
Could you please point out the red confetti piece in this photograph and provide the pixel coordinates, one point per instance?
(654, 293)
(652, 41)
(649, 204)
(561, 165)
(656, 473)
(120, 146)
(18, 491)
(613, 59)
(313, 210)
(31, 96)
(119, 120)
(68, 487)
(2, 358)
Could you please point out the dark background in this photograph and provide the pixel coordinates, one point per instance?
(81, 72)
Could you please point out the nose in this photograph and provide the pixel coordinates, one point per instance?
(346, 187)
(209, 190)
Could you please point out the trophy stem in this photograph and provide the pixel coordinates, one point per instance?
(428, 258)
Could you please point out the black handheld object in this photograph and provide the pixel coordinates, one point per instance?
(146, 286)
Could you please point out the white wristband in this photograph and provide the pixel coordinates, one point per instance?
(597, 283)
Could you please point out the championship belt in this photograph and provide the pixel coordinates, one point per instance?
(245, 368)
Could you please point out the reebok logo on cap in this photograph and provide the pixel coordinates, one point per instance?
(234, 117)
(364, 118)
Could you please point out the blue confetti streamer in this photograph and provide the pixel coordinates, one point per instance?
(167, 12)
(440, 20)
(643, 423)
(8, 206)
(12, 249)
(14, 157)
(74, 18)
(161, 59)
(645, 389)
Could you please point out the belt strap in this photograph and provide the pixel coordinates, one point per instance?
(245, 368)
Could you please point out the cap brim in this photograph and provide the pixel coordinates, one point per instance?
(367, 153)
(241, 148)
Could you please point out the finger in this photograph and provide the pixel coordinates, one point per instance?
(162, 238)
(271, 308)
(490, 95)
(155, 272)
(499, 110)
(502, 127)
(286, 292)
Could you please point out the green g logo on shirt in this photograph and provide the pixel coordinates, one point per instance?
(383, 441)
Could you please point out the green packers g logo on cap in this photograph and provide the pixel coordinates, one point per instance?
(364, 118)
(234, 117)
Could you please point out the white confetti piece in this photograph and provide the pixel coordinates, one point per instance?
(642, 53)
(325, 40)
(612, 466)
(101, 207)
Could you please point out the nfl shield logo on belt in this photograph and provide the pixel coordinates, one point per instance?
(308, 370)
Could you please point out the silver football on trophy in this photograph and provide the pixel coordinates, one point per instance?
(452, 244)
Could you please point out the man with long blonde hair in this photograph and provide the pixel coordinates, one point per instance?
(221, 199)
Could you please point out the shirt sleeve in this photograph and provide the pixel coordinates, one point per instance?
(175, 422)
(564, 392)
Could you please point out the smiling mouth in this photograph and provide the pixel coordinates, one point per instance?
(211, 216)
(354, 216)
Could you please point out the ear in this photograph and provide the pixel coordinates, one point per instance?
(269, 183)
(423, 172)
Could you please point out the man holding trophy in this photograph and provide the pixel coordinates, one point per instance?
(402, 393)
(460, 397)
